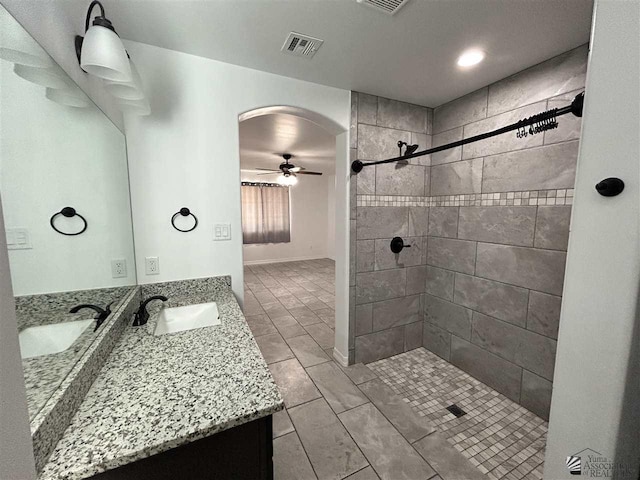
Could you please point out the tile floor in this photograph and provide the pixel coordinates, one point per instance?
(497, 435)
(386, 421)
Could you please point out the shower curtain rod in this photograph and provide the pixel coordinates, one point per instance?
(546, 120)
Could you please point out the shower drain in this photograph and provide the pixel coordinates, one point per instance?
(456, 410)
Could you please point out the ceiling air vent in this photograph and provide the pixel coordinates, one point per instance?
(387, 6)
(301, 45)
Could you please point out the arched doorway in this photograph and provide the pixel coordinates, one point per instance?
(339, 210)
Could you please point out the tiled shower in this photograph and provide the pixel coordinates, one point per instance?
(488, 225)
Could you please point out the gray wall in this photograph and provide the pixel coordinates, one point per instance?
(386, 308)
(493, 223)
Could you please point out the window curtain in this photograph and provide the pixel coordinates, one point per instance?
(265, 214)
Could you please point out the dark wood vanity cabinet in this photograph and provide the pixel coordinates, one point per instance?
(241, 453)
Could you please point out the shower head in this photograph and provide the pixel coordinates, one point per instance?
(411, 149)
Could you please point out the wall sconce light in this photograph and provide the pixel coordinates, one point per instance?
(101, 52)
(126, 90)
(47, 77)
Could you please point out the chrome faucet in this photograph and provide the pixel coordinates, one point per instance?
(103, 313)
(142, 316)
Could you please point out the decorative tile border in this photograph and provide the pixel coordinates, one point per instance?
(529, 197)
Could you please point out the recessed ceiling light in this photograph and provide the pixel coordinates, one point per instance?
(470, 58)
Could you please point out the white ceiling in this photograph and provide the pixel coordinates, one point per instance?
(264, 139)
(410, 56)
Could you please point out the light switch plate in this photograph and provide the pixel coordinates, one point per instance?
(222, 231)
(18, 239)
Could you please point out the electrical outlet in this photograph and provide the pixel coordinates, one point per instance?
(118, 268)
(152, 266)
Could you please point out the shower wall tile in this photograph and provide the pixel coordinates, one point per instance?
(448, 316)
(439, 282)
(534, 352)
(557, 75)
(541, 270)
(461, 111)
(456, 255)
(436, 340)
(402, 116)
(499, 300)
(382, 285)
(367, 109)
(458, 177)
(536, 394)
(541, 168)
(413, 336)
(352, 252)
(378, 143)
(447, 156)
(366, 181)
(365, 256)
(353, 124)
(496, 372)
(543, 315)
(501, 143)
(568, 125)
(552, 227)
(400, 179)
(418, 221)
(507, 225)
(385, 259)
(443, 222)
(416, 278)
(382, 222)
(364, 319)
(396, 312)
(377, 345)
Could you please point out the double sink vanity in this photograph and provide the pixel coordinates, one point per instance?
(185, 393)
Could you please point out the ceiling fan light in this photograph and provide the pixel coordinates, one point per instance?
(103, 55)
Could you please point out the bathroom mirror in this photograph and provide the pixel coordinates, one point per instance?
(65, 197)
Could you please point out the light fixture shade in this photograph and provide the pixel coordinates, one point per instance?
(287, 180)
(126, 90)
(68, 97)
(51, 77)
(17, 46)
(135, 107)
(103, 55)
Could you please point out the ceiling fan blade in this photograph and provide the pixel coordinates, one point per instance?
(268, 173)
(309, 173)
(266, 169)
(295, 169)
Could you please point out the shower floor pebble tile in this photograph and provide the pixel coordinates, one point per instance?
(498, 436)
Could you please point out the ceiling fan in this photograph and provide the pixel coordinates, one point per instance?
(287, 171)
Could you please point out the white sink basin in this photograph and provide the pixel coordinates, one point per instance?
(48, 339)
(179, 319)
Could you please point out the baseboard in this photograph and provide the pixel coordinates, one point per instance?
(341, 359)
(283, 260)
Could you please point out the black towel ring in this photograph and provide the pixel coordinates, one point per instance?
(68, 212)
(185, 212)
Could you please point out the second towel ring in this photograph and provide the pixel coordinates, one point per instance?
(185, 212)
(68, 212)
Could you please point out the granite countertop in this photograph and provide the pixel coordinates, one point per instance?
(155, 393)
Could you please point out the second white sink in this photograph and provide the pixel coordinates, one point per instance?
(179, 319)
(53, 338)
